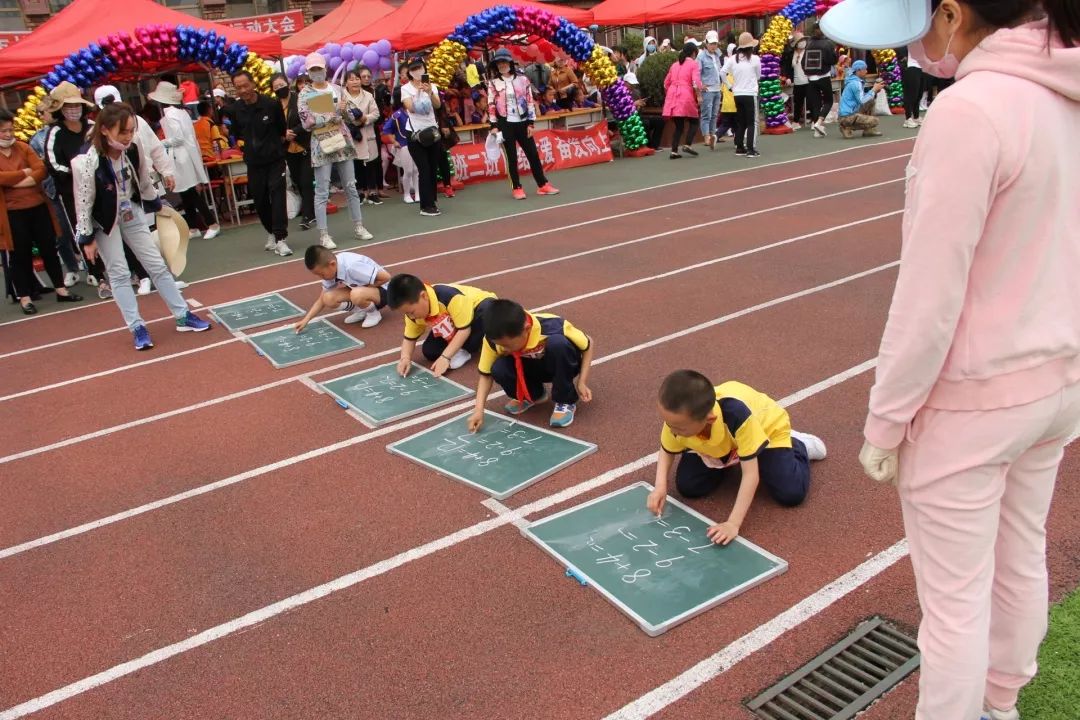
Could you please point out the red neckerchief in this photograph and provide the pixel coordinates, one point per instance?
(522, 386)
(706, 433)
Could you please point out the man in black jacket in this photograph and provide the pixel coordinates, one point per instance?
(259, 121)
(818, 62)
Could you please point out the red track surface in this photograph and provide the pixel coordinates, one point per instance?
(486, 627)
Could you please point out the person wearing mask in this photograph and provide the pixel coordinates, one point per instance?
(364, 113)
(420, 99)
(190, 176)
(744, 67)
(260, 122)
(978, 376)
(818, 61)
(331, 146)
(298, 150)
(649, 48)
(681, 88)
(791, 67)
(65, 242)
(853, 103)
(115, 200)
(25, 220)
(512, 111)
(710, 62)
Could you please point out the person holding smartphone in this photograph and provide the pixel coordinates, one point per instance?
(856, 106)
(421, 99)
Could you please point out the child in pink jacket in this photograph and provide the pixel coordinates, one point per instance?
(681, 88)
(978, 378)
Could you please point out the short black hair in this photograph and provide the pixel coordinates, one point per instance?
(6, 116)
(403, 288)
(317, 256)
(503, 319)
(689, 392)
(244, 73)
(203, 108)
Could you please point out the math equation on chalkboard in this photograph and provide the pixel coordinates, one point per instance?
(385, 388)
(638, 552)
(500, 440)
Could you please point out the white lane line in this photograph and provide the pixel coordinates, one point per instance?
(190, 301)
(499, 509)
(354, 578)
(505, 271)
(386, 353)
(712, 666)
(481, 246)
(419, 419)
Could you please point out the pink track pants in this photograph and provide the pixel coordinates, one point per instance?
(975, 489)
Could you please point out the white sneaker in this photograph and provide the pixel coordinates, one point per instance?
(357, 315)
(282, 249)
(459, 358)
(374, 317)
(180, 284)
(409, 200)
(327, 242)
(909, 123)
(991, 714)
(815, 447)
(271, 244)
(70, 279)
(919, 122)
(144, 286)
(194, 234)
(212, 233)
(91, 280)
(362, 233)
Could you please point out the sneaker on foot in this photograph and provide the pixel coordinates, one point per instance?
(191, 323)
(409, 199)
(327, 242)
(871, 133)
(70, 279)
(357, 314)
(547, 189)
(361, 232)
(271, 243)
(373, 318)
(307, 223)
(689, 151)
(563, 415)
(448, 191)
(144, 287)
(740, 151)
(91, 280)
(459, 358)
(753, 154)
(847, 133)
(518, 193)
(212, 233)
(674, 155)
(815, 447)
(104, 292)
(142, 338)
(430, 211)
(516, 407)
(194, 234)
(180, 284)
(994, 714)
(374, 199)
(282, 249)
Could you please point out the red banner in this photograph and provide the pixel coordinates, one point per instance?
(12, 37)
(558, 149)
(282, 23)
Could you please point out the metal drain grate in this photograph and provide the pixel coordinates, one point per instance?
(844, 679)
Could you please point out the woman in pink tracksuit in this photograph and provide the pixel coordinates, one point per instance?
(978, 378)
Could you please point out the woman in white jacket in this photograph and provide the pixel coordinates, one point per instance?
(363, 118)
(187, 158)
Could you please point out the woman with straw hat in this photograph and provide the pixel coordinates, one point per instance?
(745, 69)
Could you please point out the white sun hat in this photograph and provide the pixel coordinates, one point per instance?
(875, 24)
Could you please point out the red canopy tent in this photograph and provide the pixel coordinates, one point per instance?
(345, 20)
(659, 12)
(84, 21)
(420, 23)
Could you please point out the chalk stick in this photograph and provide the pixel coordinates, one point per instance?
(570, 573)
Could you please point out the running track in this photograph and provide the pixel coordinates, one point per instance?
(216, 539)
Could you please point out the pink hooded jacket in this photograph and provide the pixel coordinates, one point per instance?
(986, 311)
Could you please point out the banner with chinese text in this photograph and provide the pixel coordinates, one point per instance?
(558, 149)
(282, 23)
(11, 37)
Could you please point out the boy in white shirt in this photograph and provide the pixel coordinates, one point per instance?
(349, 279)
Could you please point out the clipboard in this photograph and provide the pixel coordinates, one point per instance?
(323, 103)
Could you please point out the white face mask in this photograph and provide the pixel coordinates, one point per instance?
(72, 112)
(317, 76)
(6, 142)
(416, 74)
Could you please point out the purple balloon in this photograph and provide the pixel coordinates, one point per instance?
(332, 50)
(358, 50)
(346, 54)
(370, 58)
(383, 48)
(334, 63)
(386, 63)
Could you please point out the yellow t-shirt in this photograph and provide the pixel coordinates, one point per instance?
(452, 308)
(727, 98)
(544, 325)
(747, 422)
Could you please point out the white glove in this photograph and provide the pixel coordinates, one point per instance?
(880, 465)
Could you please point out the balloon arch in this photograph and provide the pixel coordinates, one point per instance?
(120, 51)
(504, 20)
(772, 47)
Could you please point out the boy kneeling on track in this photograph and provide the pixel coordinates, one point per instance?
(350, 279)
(729, 432)
(522, 351)
(452, 315)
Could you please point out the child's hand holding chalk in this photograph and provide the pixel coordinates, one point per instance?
(656, 501)
(300, 326)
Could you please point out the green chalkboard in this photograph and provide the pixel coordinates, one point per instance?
(659, 571)
(284, 347)
(380, 395)
(503, 457)
(256, 311)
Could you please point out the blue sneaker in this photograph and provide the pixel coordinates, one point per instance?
(563, 415)
(191, 323)
(142, 338)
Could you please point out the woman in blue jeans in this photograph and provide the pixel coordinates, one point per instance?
(710, 60)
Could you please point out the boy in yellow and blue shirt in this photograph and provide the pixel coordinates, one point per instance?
(451, 315)
(728, 432)
(522, 351)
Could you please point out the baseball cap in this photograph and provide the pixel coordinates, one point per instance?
(871, 24)
(105, 92)
(712, 37)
